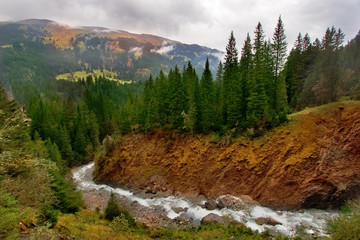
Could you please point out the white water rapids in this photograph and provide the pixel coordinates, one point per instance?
(310, 221)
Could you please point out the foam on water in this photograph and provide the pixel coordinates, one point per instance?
(312, 221)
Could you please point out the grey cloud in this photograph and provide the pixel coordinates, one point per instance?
(205, 22)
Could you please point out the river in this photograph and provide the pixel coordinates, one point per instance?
(310, 221)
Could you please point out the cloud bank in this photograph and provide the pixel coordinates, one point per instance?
(203, 22)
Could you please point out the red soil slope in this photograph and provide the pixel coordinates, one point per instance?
(313, 161)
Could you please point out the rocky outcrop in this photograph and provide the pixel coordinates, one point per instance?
(311, 162)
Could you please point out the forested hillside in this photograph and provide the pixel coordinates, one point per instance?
(70, 103)
(33, 52)
(253, 92)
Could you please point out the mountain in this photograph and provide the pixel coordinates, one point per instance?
(38, 49)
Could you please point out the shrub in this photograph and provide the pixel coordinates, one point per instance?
(347, 224)
(120, 224)
(112, 209)
(50, 215)
(9, 214)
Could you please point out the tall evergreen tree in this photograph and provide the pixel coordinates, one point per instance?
(178, 99)
(207, 98)
(162, 94)
(279, 53)
(245, 68)
(231, 92)
(257, 114)
(218, 96)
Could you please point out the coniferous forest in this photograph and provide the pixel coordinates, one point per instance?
(253, 90)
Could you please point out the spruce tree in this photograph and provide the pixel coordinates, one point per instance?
(178, 99)
(112, 209)
(64, 143)
(207, 98)
(218, 97)
(257, 108)
(279, 53)
(231, 93)
(246, 62)
(162, 95)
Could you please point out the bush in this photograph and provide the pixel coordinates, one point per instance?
(9, 214)
(50, 215)
(347, 224)
(112, 209)
(120, 224)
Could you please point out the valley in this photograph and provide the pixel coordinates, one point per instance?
(108, 134)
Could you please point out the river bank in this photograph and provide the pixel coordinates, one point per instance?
(156, 210)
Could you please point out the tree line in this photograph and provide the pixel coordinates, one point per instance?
(253, 92)
(246, 93)
(75, 128)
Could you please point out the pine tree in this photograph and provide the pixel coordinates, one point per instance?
(207, 98)
(63, 141)
(231, 93)
(246, 61)
(178, 99)
(162, 94)
(279, 52)
(193, 119)
(218, 97)
(112, 209)
(257, 115)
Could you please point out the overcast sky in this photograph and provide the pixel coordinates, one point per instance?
(204, 22)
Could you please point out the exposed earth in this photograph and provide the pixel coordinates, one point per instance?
(311, 162)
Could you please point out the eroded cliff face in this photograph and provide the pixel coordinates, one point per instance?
(313, 161)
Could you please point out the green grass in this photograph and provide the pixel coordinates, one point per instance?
(74, 76)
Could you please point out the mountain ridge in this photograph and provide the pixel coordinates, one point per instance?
(65, 49)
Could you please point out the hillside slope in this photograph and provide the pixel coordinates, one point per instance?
(39, 48)
(313, 161)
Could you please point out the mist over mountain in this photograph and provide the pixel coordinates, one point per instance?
(39, 48)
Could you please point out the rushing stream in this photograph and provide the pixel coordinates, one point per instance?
(310, 221)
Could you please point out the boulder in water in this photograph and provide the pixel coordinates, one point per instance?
(210, 204)
(213, 218)
(235, 203)
(178, 209)
(267, 221)
(184, 220)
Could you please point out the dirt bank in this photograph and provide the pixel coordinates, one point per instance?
(314, 161)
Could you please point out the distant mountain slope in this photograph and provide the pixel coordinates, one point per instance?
(38, 49)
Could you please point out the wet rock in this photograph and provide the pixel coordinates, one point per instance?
(267, 221)
(213, 218)
(148, 190)
(228, 201)
(184, 220)
(178, 209)
(210, 204)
